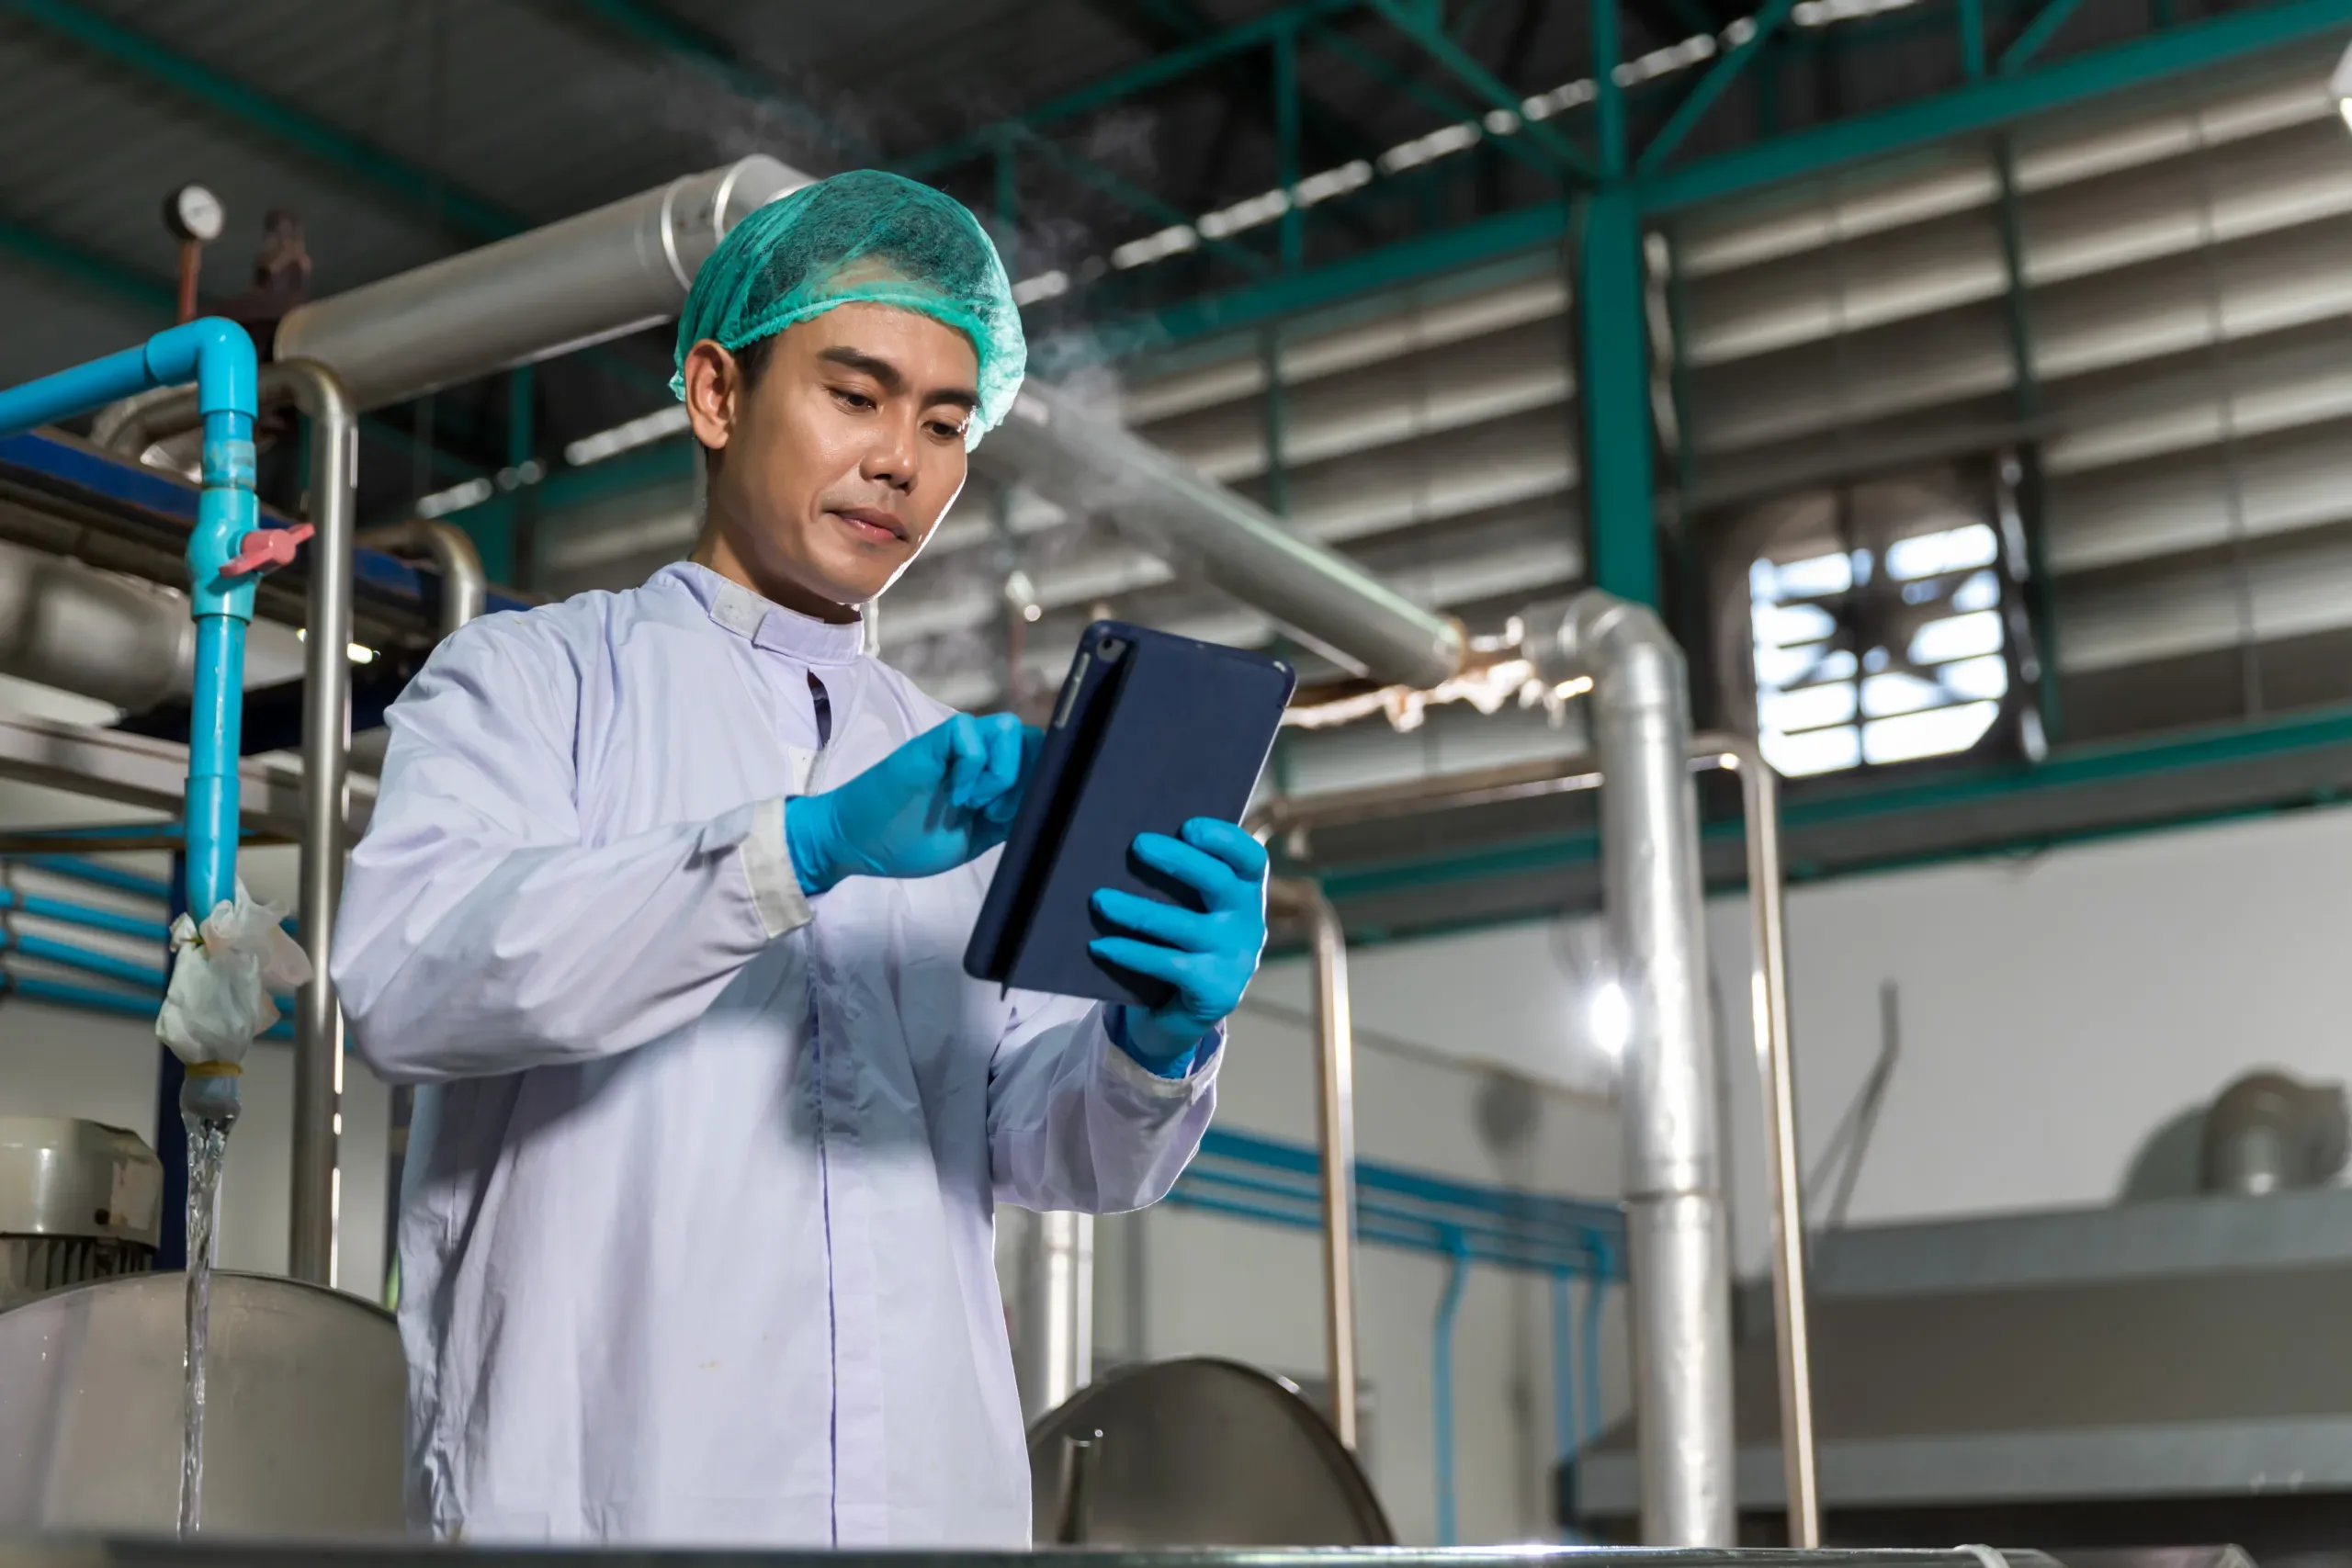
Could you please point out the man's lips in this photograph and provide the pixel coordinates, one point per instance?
(869, 523)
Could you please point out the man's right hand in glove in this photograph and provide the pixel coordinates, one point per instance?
(942, 798)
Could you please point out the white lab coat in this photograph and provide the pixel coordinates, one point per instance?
(697, 1234)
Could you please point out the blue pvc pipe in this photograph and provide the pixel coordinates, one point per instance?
(218, 357)
(66, 912)
(1595, 1283)
(89, 999)
(1565, 1434)
(92, 999)
(50, 951)
(1441, 1388)
(97, 873)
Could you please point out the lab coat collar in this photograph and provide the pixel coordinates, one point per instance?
(766, 625)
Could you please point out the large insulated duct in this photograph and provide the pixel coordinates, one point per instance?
(1089, 465)
(119, 639)
(629, 265)
(597, 276)
(1651, 896)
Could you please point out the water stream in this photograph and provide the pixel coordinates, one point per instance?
(207, 1113)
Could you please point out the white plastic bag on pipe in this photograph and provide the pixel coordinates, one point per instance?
(221, 995)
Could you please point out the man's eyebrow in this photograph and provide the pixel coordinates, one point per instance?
(866, 363)
(893, 381)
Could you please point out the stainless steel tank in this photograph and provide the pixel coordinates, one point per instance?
(1192, 1454)
(302, 1435)
(79, 1201)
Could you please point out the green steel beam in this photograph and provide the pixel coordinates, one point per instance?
(657, 27)
(1391, 266)
(1971, 38)
(1293, 218)
(1158, 70)
(101, 275)
(2080, 79)
(1443, 105)
(2219, 41)
(1609, 94)
(1164, 24)
(1432, 40)
(298, 129)
(2026, 404)
(2044, 26)
(1713, 85)
(2070, 771)
(1609, 300)
(1132, 196)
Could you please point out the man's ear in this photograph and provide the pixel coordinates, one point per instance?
(714, 393)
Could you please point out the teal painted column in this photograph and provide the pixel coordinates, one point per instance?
(1608, 294)
(499, 527)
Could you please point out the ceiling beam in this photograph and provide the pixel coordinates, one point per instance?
(650, 23)
(1162, 24)
(424, 192)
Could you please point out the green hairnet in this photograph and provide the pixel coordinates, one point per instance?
(785, 263)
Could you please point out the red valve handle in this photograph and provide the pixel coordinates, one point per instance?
(267, 547)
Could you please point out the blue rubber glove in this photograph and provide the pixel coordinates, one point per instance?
(942, 798)
(1207, 956)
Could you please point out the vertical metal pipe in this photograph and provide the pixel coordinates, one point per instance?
(465, 593)
(1066, 1242)
(1563, 1370)
(1596, 1289)
(1674, 1216)
(1335, 1136)
(1449, 1307)
(1759, 795)
(326, 753)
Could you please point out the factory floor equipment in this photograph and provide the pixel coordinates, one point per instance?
(2097, 1378)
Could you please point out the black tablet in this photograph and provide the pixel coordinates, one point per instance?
(1151, 730)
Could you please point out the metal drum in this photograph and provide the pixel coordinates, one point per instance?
(1196, 1453)
(302, 1435)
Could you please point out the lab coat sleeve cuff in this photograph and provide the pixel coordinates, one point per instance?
(767, 866)
(1132, 1075)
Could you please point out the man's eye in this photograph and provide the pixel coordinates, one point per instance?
(853, 400)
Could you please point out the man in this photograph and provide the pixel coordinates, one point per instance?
(665, 897)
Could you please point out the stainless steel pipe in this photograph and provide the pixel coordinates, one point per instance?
(629, 265)
(1769, 1005)
(326, 761)
(120, 639)
(1298, 817)
(1653, 908)
(465, 587)
(1089, 464)
(1065, 1249)
(596, 276)
(1335, 1136)
(132, 426)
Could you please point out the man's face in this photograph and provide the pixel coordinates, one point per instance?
(838, 461)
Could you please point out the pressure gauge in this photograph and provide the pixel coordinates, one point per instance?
(193, 212)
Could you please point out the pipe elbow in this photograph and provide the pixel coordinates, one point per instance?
(316, 389)
(218, 355)
(1596, 635)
